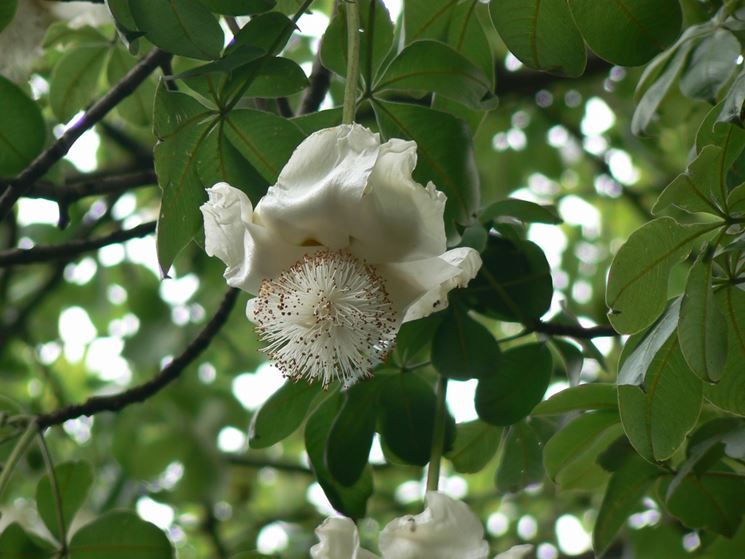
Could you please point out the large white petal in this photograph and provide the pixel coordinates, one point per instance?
(447, 529)
(339, 539)
(419, 288)
(342, 189)
(398, 219)
(321, 185)
(250, 252)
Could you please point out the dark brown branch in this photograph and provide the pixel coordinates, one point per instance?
(66, 251)
(39, 166)
(580, 332)
(283, 106)
(320, 81)
(142, 392)
(78, 188)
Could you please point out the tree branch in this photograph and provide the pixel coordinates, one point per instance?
(66, 251)
(554, 329)
(142, 392)
(529, 82)
(320, 81)
(39, 166)
(81, 187)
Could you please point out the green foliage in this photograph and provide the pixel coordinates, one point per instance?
(22, 131)
(545, 186)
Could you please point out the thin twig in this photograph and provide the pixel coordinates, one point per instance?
(142, 392)
(211, 526)
(554, 329)
(66, 251)
(39, 166)
(54, 486)
(83, 186)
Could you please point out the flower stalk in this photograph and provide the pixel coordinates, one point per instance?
(353, 61)
(20, 448)
(438, 435)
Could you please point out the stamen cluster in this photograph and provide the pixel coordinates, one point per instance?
(325, 318)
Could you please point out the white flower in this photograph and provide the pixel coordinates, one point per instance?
(339, 539)
(342, 250)
(447, 529)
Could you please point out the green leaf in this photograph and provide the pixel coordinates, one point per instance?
(729, 393)
(407, 417)
(591, 396)
(414, 339)
(22, 129)
(703, 186)
(627, 486)
(120, 535)
(710, 65)
(278, 77)
(184, 27)
(75, 80)
(268, 32)
(316, 121)
(653, 96)
(264, 139)
(541, 34)
(427, 19)
(627, 32)
(73, 480)
(733, 101)
(15, 543)
(466, 35)
(7, 11)
(637, 281)
(527, 212)
(351, 435)
(376, 39)
(462, 348)
(570, 456)
(658, 415)
(444, 150)
(710, 501)
(640, 350)
(570, 358)
(176, 162)
(282, 413)
(431, 66)
(702, 330)
(122, 14)
(137, 107)
(521, 463)
(351, 501)
(510, 393)
(514, 282)
(59, 34)
(239, 7)
(476, 443)
(221, 162)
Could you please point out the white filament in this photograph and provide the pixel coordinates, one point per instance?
(327, 317)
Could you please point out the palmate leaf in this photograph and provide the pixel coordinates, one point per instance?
(637, 281)
(431, 66)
